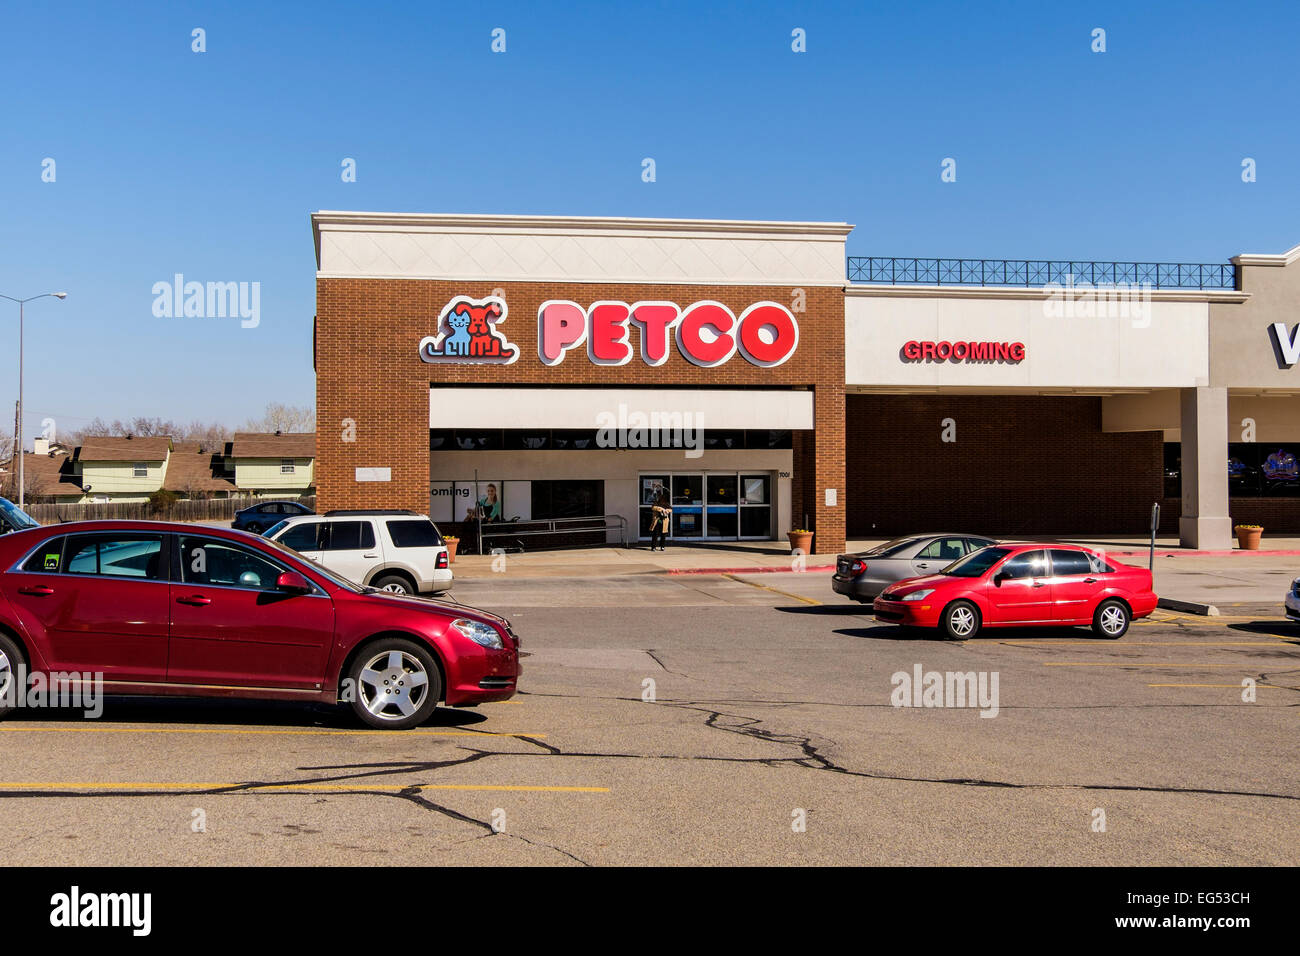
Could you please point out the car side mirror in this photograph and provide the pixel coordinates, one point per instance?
(291, 582)
(1000, 577)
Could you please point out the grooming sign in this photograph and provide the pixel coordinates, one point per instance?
(705, 333)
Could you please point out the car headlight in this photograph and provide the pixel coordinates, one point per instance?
(479, 633)
(919, 595)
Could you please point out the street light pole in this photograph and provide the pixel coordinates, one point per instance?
(18, 430)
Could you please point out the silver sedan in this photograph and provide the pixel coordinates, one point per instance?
(864, 575)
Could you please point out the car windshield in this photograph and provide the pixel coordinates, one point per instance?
(318, 568)
(890, 548)
(271, 531)
(15, 516)
(976, 563)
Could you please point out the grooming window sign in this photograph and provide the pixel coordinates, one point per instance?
(705, 333)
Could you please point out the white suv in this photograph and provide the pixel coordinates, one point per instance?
(396, 551)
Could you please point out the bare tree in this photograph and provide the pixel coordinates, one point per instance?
(284, 418)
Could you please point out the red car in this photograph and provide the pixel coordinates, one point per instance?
(190, 610)
(1022, 584)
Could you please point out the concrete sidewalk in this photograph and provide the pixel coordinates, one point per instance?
(1221, 579)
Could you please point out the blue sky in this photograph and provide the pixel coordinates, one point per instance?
(210, 164)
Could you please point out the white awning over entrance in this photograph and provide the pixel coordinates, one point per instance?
(456, 407)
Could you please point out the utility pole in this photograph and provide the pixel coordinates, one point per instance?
(13, 455)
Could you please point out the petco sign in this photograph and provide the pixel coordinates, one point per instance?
(964, 352)
(705, 333)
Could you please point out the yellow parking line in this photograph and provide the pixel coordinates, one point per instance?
(304, 787)
(1233, 686)
(19, 729)
(764, 587)
(1107, 645)
(1137, 662)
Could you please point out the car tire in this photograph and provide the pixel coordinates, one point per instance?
(10, 657)
(253, 528)
(394, 583)
(960, 621)
(395, 684)
(1111, 619)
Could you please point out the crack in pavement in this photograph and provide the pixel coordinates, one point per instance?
(814, 759)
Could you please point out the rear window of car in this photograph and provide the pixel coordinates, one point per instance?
(350, 536)
(47, 558)
(890, 548)
(414, 534)
(1070, 562)
(119, 556)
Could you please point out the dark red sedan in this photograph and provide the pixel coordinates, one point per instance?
(173, 609)
(1020, 585)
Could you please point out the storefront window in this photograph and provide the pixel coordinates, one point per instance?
(718, 439)
(568, 498)
(1255, 469)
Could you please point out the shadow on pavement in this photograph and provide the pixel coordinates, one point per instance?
(827, 610)
(1274, 628)
(243, 713)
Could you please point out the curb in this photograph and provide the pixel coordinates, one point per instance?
(1188, 607)
(1203, 554)
(761, 570)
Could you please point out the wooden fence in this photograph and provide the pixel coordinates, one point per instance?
(186, 509)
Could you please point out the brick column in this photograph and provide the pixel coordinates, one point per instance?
(828, 468)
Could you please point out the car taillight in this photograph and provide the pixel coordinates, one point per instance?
(441, 563)
(859, 566)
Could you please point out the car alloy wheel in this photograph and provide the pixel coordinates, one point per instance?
(395, 684)
(10, 657)
(961, 620)
(394, 584)
(1111, 619)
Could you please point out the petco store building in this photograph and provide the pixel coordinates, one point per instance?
(513, 374)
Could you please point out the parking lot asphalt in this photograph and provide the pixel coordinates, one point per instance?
(709, 719)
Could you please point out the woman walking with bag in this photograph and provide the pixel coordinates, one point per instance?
(663, 514)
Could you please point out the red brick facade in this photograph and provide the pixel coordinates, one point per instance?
(1020, 465)
(369, 372)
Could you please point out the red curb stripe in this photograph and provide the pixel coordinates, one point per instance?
(820, 567)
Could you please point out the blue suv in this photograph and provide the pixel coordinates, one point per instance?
(260, 517)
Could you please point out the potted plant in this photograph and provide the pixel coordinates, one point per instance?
(800, 540)
(451, 541)
(1248, 536)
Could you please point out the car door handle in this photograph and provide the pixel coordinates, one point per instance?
(1040, 584)
(370, 555)
(196, 600)
(1089, 580)
(921, 564)
(37, 590)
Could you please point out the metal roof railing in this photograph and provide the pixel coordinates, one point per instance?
(1040, 272)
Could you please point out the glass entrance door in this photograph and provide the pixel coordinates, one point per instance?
(715, 505)
(688, 506)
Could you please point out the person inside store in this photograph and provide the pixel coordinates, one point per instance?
(661, 516)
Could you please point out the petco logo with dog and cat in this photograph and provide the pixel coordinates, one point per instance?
(468, 333)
